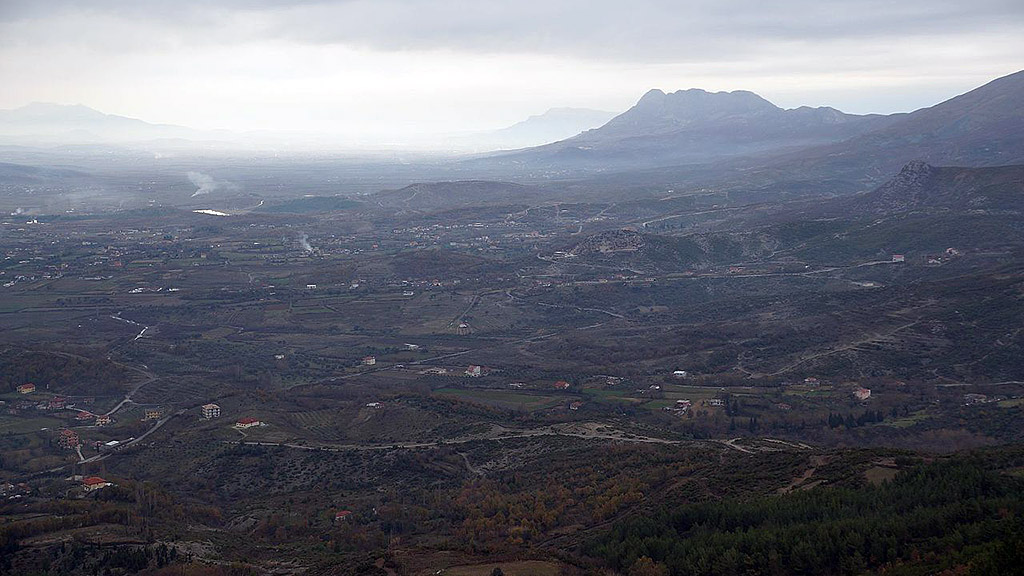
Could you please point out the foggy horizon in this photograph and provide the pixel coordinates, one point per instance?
(393, 72)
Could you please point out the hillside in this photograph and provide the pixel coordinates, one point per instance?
(695, 126)
(984, 127)
(740, 143)
(21, 174)
(553, 125)
(921, 186)
(646, 253)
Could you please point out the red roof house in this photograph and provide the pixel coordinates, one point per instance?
(95, 483)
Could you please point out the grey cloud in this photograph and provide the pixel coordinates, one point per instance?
(639, 30)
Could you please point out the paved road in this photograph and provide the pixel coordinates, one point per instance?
(586, 431)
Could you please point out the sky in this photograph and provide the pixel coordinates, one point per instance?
(389, 70)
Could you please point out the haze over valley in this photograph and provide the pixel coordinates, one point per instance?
(431, 288)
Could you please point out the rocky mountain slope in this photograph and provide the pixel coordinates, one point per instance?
(695, 126)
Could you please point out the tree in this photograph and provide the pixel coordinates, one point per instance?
(644, 566)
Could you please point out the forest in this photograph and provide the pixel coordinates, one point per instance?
(931, 517)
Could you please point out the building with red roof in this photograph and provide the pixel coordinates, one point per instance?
(248, 423)
(95, 483)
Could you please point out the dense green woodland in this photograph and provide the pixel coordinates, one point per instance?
(60, 373)
(929, 518)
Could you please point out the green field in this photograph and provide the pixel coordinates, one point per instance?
(607, 395)
(9, 424)
(907, 421)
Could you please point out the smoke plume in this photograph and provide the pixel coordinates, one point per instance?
(204, 183)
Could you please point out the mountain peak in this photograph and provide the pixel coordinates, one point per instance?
(53, 110)
(911, 180)
(652, 95)
(659, 112)
(916, 169)
(907, 189)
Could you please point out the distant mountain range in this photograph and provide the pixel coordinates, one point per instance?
(724, 149)
(55, 124)
(738, 139)
(695, 126)
(984, 127)
(75, 124)
(554, 125)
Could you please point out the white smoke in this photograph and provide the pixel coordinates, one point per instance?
(204, 183)
(304, 242)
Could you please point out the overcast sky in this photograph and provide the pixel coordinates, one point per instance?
(393, 69)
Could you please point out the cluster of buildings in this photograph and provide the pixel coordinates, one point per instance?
(680, 408)
(52, 405)
(972, 399)
(14, 491)
(68, 439)
(211, 411)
